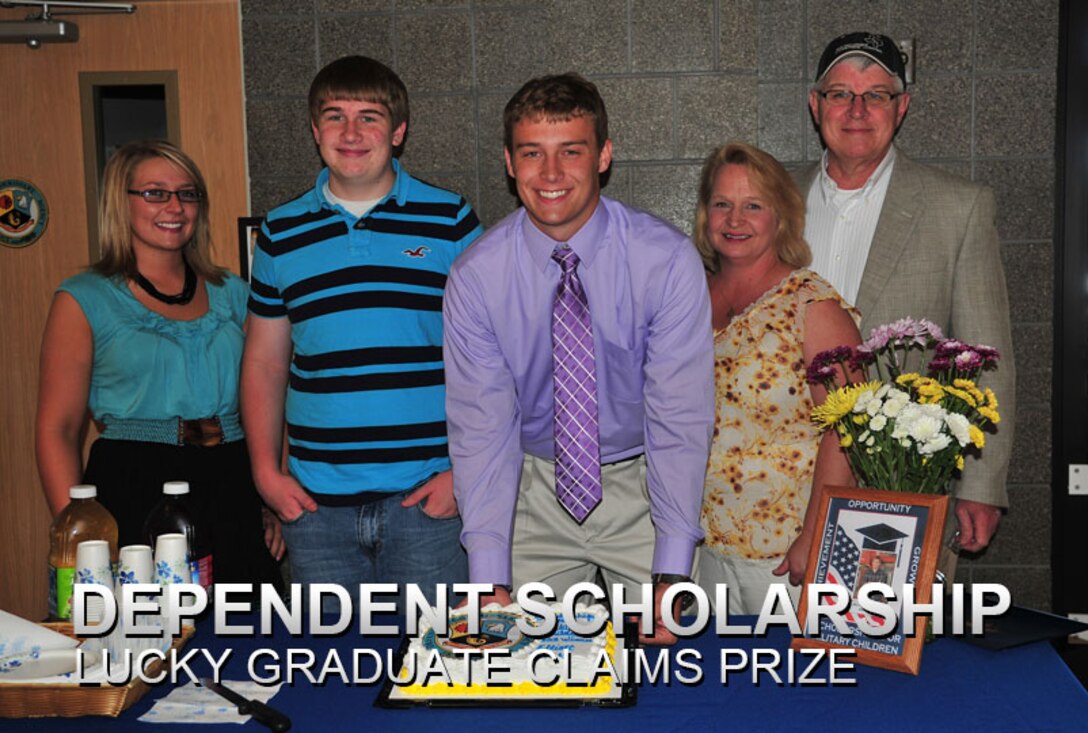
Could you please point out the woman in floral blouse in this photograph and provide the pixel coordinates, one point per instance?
(771, 316)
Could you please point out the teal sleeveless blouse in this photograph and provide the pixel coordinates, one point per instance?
(147, 366)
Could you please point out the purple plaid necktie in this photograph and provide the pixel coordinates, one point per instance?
(577, 440)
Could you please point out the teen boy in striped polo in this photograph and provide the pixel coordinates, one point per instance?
(344, 344)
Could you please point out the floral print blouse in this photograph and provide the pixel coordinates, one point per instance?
(764, 450)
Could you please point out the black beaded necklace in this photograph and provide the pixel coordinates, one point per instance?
(182, 298)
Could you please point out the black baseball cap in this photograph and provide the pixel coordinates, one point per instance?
(875, 46)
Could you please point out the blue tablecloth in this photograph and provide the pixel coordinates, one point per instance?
(960, 688)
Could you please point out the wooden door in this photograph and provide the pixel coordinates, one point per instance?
(43, 143)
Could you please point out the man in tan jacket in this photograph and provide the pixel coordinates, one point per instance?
(901, 239)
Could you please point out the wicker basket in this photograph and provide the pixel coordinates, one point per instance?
(72, 700)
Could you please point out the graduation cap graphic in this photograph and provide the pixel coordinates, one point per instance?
(882, 538)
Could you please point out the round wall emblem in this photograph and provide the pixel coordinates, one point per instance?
(23, 213)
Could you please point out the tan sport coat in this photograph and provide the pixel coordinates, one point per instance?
(935, 255)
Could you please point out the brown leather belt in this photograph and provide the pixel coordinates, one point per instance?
(205, 432)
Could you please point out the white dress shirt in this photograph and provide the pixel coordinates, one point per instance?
(839, 225)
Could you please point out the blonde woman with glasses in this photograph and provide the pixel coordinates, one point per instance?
(149, 342)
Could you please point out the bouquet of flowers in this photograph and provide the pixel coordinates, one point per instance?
(903, 429)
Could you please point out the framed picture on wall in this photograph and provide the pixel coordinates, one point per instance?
(864, 536)
(248, 229)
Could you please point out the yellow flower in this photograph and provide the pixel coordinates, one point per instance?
(930, 391)
(839, 403)
(978, 438)
(959, 462)
(846, 440)
(989, 409)
(962, 394)
(861, 419)
(971, 387)
(905, 379)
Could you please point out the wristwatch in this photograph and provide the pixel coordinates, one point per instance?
(669, 578)
(687, 599)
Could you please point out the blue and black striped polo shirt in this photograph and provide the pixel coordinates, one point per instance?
(365, 403)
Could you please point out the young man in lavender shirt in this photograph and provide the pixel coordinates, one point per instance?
(652, 361)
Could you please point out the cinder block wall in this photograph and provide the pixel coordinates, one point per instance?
(680, 77)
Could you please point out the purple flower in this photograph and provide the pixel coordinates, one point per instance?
(831, 356)
(878, 339)
(950, 347)
(988, 354)
(918, 332)
(861, 359)
(940, 364)
(968, 361)
(963, 357)
(821, 359)
(932, 329)
(819, 373)
(822, 368)
(841, 353)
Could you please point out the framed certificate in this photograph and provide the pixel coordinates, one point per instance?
(863, 537)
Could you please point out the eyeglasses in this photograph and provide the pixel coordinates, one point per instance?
(873, 99)
(161, 195)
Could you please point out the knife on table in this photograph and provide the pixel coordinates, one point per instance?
(260, 712)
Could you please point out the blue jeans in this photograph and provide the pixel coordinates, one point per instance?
(380, 542)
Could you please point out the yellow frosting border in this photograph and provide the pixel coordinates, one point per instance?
(528, 688)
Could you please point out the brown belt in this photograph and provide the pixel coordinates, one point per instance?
(203, 432)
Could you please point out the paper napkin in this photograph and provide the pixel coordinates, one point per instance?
(193, 703)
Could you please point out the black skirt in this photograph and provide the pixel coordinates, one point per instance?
(130, 474)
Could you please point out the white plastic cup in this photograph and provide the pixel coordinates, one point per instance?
(172, 568)
(93, 566)
(172, 559)
(135, 565)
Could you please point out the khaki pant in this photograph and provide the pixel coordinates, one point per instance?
(748, 581)
(616, 539)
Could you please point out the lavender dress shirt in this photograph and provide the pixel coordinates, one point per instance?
(648, 298)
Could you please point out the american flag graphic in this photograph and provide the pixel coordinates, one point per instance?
(843, 568)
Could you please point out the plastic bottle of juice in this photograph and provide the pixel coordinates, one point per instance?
(174, 514)
(83, 519)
